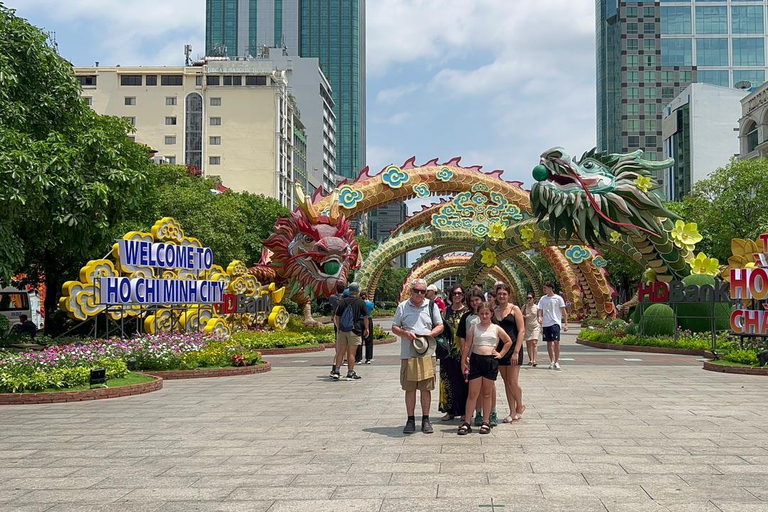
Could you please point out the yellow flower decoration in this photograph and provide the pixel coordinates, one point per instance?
(649, 276)
(489, 258)
(496, 231)
(543, 241)
(686, 236)
(643, 183)
(704, 265)
(615, 236)
(526, 234)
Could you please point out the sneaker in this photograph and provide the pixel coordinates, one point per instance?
(335, 375)
(426, 426)
(557, 366)
(551, 366)
(494, 420)
(368, 361)
(410, 427)
(353, 376)
(478, 419)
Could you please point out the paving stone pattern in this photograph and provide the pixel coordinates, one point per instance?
(615, 436)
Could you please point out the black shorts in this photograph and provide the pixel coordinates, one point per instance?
(507, 359)
(483, 366)
(552, 333)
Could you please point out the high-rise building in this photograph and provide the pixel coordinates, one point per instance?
(700, 130)
(649, 51)
(383, 220)
(332, 31)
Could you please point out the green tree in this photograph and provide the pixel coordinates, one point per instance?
(547, 272)
(365, 244)
(625, 273)
(391, 284)
(68, 176)
(729, 204)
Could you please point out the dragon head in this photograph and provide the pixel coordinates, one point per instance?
(314, 251)
(598, 193)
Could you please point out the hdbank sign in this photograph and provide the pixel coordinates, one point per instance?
(170, 280)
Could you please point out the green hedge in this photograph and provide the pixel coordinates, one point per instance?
(57, 378)
(258, 340)
(687, 311)
(658, 320)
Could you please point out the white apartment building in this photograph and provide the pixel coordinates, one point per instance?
(232, 119)
(753, 125)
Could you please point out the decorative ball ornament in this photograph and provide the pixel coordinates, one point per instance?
(540, 173)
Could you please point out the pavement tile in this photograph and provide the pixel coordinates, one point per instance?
(386, 491)
(211, 506)
(508, 490)
(282, 493)
(356, 505)
(149, 494)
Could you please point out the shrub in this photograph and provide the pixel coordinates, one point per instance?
(5, 325)
(697, 317)
(632, 329)
(595, 322)
(617, 324)
(741, 356)
(379, 333)
(255, 340)
(658, 319)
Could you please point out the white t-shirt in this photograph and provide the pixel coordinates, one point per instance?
(551, 309)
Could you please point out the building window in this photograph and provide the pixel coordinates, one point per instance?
(650, 141)
(215, 141)
(633, 125)
(651, 155)
(649, 12)
(747, 19)
(633, 76)
(632, 45)
(650, 109)
(649, 28)
(631, 28)
(199, 80)
(170, 100)
(712, 20)
(649, 45)
(650, 125)
(632, 61)
(214, 160)
(171, 79)
(170, 120)
(130, 79)
(170, 140)
(215, 121)
(676, 52)
(686, 76)
(755, 76)
(132, 138)
(255, 80)
(752, 139)
(667, 76)
(170, 159)
(215, 102)
(633, 109)
(151, 79)
(649, 93)
(88, 100)
(633, 141)
(649, 76)
(676, 20)
(713, 77)
(130, 100)
(213, 80)
(632, 12)
(86, 80)
(650, 60)
(748, 51)
(633, 93)
(237, 80)
(711, 52)
(668, 92)
(193, 131)
(131, 120)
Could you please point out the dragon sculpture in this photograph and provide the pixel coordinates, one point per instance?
(309, 252)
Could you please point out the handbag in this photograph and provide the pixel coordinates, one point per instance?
(444, 340)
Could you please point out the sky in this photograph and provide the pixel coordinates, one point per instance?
(494, 81)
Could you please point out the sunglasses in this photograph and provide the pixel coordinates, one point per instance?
(417, 290)
(530, 297)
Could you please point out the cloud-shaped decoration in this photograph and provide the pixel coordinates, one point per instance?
(445, 174)
(577, 254)
(168, 229)
(394, 177)
(217, 326)
(133, 270)
(349, 197)
(466, 223)
(421, 190)
(512, 213)
(326, 212)
(164, 320)
(237, 268)
(480, 187)
(81, 299)
(439, 221)
(278, 318)
(600, 262)
(479, 199)
(480, 230)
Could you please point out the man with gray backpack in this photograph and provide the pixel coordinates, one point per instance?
(351, 321)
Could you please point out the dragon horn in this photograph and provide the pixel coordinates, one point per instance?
(305, 203)
(333, 217)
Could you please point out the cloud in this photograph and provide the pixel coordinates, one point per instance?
(396, 93)
(394, 120)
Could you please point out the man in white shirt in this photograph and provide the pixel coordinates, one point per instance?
(551, 314)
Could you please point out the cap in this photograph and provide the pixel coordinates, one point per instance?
(354, 288)
(431, 288)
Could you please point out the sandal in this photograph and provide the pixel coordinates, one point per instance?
(465, 429)
(485, 428)
(509, 419)
(520, 411)
(448, 417)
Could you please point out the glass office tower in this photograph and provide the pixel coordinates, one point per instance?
(648, 51)
(236, 28)
(334, 32)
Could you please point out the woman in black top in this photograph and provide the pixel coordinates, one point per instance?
(453, 389)
(510, 318)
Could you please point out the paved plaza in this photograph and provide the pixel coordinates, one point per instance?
(613, 431)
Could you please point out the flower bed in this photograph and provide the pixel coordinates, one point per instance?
(68, 366)
(132, 384)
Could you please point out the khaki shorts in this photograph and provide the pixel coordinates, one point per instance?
(348, 339)
(412, 385)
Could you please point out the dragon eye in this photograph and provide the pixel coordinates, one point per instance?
(308, 239)
(589, 165)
